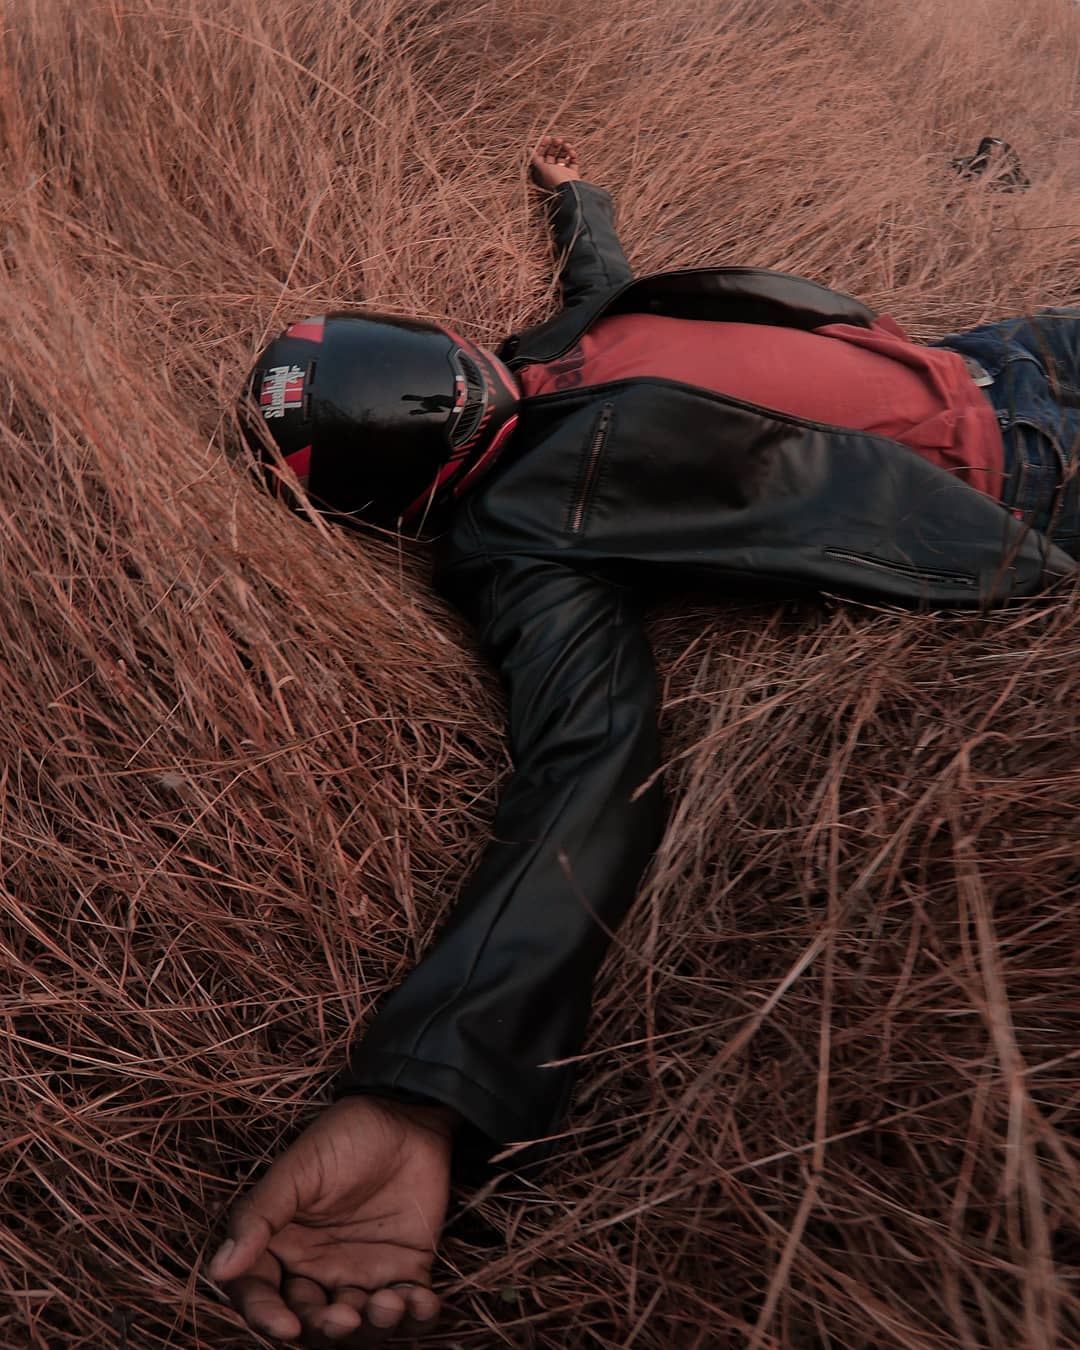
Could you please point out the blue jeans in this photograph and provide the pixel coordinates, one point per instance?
(1035, 365)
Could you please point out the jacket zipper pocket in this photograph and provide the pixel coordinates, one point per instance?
(592, 468)
(901, 569)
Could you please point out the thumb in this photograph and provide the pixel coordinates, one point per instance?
(270, 1204)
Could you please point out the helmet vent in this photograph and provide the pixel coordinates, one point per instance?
(475, 401)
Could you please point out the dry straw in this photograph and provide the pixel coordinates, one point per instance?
(830, 1093)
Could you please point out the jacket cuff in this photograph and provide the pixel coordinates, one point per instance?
(566, 192)
(489, 1125)
(574, 206)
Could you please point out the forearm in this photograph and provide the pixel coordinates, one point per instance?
(582, 218)
(508, 986)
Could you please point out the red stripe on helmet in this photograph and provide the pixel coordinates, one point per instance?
(300, 462)
(488, 359)
(484, 461)
(427, 496)
(309, 329)
(449, 471)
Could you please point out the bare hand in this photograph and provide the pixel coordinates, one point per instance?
(337, 1238)
(554, 161)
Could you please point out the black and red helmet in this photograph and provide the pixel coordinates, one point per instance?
(384, 420)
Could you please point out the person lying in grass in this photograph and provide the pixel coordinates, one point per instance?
(726, 427)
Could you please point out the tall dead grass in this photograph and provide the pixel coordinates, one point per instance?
(830, 1094)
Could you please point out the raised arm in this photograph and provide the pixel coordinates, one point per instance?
(582, 219)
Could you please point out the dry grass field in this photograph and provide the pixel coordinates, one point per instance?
(831, 1094)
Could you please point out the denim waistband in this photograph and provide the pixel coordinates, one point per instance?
(1029, 369)
(1032, 461)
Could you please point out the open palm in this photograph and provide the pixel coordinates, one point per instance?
(337, 1239)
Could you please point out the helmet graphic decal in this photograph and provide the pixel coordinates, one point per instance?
(311, 330)
(282, 388)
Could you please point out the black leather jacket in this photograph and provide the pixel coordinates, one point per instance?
(601, 491)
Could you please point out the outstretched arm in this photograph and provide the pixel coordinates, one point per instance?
(340, 1232)
(508, 986)
(583, 223)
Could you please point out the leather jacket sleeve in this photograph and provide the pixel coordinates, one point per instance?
(583, 223)
(508, 985)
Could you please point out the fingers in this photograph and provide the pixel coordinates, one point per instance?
(421, 1310)
(556, 150)
(286, 1309)
(254, 1219)
(333, 1321)
(256, 1296)
(385, 1310)
(402, 1310)
(307, 1299)
(343, 1315)
(406, 1310)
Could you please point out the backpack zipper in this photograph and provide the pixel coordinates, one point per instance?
(592, 465)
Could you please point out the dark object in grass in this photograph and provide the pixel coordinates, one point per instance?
(1000, 159)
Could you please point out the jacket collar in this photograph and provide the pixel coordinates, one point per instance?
(734, 294)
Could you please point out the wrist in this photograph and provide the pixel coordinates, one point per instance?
(442, 1118)
(429, 1113)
